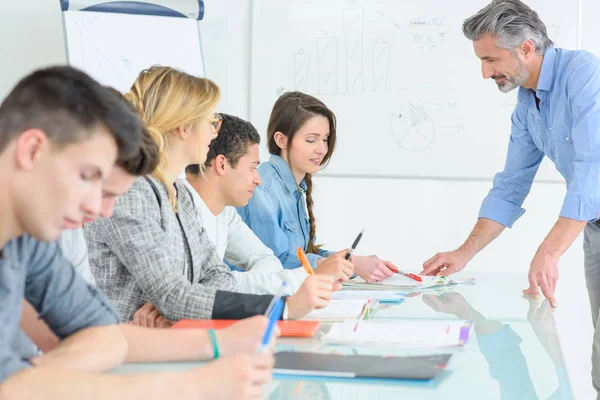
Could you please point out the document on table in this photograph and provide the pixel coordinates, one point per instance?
(397, 281)
(408, 333)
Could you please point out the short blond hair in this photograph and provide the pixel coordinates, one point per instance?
(166, 98)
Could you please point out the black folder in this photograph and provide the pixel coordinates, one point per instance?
(359, 366)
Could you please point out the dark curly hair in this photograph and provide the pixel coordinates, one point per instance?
(232, 142)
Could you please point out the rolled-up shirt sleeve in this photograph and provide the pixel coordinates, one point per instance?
(62, 298)
(512, 185)
(582, 201)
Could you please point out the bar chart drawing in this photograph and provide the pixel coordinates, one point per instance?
(301, 71)
(327, 72)
(381, 60)
(353, 43)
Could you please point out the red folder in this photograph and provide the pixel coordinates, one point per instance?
(287, 328)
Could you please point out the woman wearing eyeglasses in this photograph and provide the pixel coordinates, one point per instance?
(151, 257)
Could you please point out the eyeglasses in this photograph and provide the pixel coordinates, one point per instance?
(216, 121)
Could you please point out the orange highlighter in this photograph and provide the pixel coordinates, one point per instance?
(304, 261)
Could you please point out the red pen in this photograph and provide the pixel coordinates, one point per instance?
(411, 276)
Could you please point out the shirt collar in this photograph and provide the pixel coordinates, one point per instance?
(546, 79)
(285, 173)
(547, 71)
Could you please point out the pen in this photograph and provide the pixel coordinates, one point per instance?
(362, 315)
(354, 244)
(411, 276)
(273, 312)
(304, 261)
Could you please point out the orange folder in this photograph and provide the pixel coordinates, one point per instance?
(287, 328)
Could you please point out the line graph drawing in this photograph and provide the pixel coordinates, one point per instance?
(412, 128)
(327, 71)
(353, 40)
(95, 59)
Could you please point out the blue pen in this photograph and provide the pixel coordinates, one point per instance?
(273, 312)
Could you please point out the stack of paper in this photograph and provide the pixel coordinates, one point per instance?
(398, 281)
(404, 332)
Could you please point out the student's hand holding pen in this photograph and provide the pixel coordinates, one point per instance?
(244, 336)
(315, 292)
(335, 266)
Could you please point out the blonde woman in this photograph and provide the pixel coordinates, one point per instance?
(152, 250)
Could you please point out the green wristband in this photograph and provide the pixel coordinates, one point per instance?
(215, 344)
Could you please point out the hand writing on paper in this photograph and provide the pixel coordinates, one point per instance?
(335, 266)
(446, 263)
(543, 274)
(371, 268)
(315, 292)
(149, 317)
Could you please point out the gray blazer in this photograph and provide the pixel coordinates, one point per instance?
(145, 252)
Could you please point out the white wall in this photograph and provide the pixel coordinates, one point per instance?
(31, 36)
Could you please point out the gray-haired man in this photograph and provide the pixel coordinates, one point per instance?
(558, 115)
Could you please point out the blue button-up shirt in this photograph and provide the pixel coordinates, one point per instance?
(39, 273)
(566, 129)
(277, 213)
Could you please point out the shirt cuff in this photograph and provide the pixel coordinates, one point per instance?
(580, 207)
(312, 259)
(284, 316)
(502, 211)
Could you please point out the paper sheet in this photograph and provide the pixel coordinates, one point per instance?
(398, 281)
(338, 310)
(405, 333)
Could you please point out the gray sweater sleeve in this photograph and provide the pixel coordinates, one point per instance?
(143, 265)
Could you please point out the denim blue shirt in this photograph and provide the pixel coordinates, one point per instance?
(39, 273)
(566, 129)
(277, 213)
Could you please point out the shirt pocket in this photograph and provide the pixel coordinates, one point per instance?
(293, 233)
(290, 226)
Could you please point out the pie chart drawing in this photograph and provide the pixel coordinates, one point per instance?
(412, 128)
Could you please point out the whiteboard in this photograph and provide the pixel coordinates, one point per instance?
(590, 38)
(114, 48)
(402, 79)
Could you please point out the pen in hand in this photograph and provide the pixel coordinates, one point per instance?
(353, 247)
(408, 275)
(273, 312)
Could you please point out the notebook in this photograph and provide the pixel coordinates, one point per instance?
(359, 366)
(398, 281)
(286, 328)
(400, 333)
